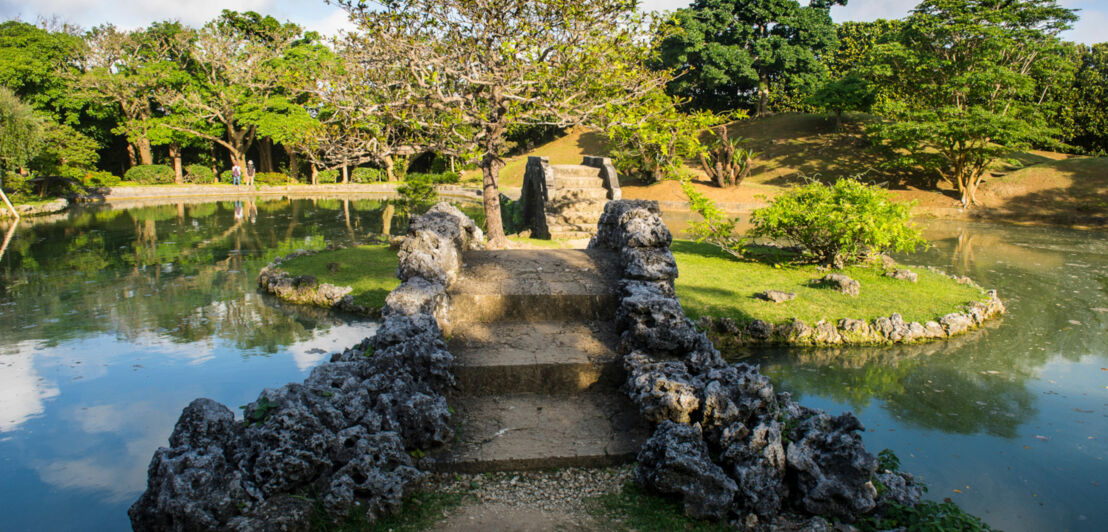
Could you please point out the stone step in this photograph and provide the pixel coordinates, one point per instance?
(570, 235)
(577, 194)
(586, 220)
(574, 170)
(535, 285)
(572, 228)
(535, 357)
(532, 431)
(578, 182)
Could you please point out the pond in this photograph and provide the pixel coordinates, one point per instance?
(111, 321)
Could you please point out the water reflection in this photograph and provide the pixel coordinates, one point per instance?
(111, 321)
(1015, 411)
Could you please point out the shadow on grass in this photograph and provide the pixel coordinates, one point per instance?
(635, 509)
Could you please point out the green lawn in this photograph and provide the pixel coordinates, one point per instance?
(370, 270)
(711, 283)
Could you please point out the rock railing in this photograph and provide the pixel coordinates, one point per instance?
(724, 441)
(342, 436)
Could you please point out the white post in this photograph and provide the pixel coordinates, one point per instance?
(9, 204)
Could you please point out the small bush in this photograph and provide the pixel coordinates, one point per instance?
(368, 175)
(716, 228)
(97, 178)
(150, 174)
(200, 174)
(441, 178)
(272, 178)
(417, 189)
(16, 185)
(327, 177)
(839, 224)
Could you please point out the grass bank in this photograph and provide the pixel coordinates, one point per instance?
(711, 283)
(369, 269)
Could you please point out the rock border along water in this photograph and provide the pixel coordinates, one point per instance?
(724, 441)
(343, 436)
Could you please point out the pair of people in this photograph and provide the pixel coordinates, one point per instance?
(236, 173)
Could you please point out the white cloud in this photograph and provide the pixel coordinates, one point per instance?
(22, 391)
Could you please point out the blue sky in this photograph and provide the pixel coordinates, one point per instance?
(317, 15)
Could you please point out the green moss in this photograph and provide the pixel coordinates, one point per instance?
(711, 283)
(370, 270)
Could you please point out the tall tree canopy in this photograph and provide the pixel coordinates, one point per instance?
(957, 87)
(734, 53)
(464, 71)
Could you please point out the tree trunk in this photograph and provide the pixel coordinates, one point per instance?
(265, 154)
(494, 227)
(763, 97)
(131, 157)
(315, 175)
(146, 156)
(175, 154)
(389, 165)
(345, 178)
(294, 163)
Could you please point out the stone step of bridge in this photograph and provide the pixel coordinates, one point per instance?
(535, 285)
(574, 170)
(533, 431)
(547, 357)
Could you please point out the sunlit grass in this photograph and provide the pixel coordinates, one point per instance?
(370, 270)
(711, 283)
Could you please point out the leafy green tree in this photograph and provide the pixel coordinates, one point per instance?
(735, 52)
(652, 139)
(1091, 106)
(839, 224)
(848, 93)
(464, 72)
(33, 62)
(21, 132)
(229, 87)
(962, 92)
(857, 41)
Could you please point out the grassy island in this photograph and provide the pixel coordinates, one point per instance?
(711, 283)
(369, 269)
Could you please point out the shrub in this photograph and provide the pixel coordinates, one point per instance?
(97, 178)
(417, 189)
(440, 178)
(716, 228)
(841, 223)
(368, 175)
(271, 178)
(198, 173)
(150, 174)
(327, 176)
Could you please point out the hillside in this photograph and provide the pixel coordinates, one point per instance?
(1030, 187)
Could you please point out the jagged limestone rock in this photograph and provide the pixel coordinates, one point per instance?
(653, 322)
(648, 264)
(831, 466)
(675, 460)
(756, 460)
(776, 296)
(842, 283)
(661, 390)
(415, 296)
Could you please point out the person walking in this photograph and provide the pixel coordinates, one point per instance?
(236, 174)
(249, 173)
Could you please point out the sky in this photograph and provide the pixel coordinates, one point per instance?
(327, 19)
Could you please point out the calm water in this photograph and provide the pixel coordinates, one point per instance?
(112, 321)
(1010, 422)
